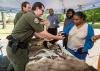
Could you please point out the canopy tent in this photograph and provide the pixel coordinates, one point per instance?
(57, 5)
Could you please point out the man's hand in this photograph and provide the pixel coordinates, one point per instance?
(59, 37)
(45, 34)
(45, 22)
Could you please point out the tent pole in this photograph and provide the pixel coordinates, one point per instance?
(3, 20)
(93, 17)
(80, 7)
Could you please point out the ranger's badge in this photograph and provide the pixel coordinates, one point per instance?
(36, 20)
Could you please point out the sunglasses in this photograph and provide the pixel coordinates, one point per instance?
(42, 10)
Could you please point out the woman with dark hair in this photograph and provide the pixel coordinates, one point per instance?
(68, 19)
(79, 36)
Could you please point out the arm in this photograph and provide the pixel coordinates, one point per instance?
(64, 23)
(89, 43)
(45, 22)
(15, 20)
(57, 21)
(68, 28)
(66, 33)
(38, 28)
(96, 37)
(17, 17)
(45, 34)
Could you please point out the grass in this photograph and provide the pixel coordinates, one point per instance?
(96, 25)
(7, 30)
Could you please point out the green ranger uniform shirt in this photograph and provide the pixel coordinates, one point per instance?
(18, 16)
(26, 26)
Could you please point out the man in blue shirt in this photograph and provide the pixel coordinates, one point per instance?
(54, 23)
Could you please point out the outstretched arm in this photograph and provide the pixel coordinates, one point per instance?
(45, 34)
(96, 37)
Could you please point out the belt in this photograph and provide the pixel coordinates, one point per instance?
(22, 45)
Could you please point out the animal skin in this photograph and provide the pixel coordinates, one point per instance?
(53, 58)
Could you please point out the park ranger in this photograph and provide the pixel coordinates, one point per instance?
(25, 7)
(17, 50)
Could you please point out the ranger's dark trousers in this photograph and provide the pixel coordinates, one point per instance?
(18, 59)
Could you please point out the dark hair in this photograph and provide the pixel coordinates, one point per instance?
(24, 4)
(51, 9)
(71, 10)
(37, 4)
(81, 15)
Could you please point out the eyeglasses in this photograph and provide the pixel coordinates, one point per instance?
(42, 10)
(29, 7)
